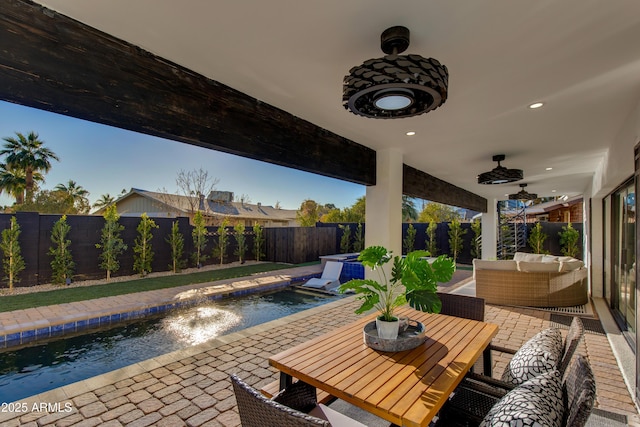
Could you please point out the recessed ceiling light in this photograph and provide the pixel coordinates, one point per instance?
(536, 105)
(553, 191)
(411, 133)
(548, 169)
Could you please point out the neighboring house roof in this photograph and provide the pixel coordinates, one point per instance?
(546, 207)
(209, 207)
(543, 208)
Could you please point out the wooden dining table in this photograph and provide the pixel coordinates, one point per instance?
(407, 388)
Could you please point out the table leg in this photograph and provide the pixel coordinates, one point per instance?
(285, 380)
(486, 359)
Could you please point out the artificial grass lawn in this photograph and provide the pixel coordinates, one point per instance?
(65, 295)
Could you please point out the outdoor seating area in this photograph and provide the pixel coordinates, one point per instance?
(532, 280)
(405, 388)
(544, 354)
(544, 383)
(548, 399)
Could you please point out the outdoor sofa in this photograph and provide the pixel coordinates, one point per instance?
(532, 280)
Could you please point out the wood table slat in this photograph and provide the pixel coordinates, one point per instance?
(296, 351)
(399, 372)
(405, 399)
(441, 389)
(410, 390)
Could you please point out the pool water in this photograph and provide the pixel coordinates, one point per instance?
(43, 367)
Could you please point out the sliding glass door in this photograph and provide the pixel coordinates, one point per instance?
(623, 258)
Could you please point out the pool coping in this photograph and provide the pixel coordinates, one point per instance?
(79, 317)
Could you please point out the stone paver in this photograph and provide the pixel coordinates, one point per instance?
(192, 388)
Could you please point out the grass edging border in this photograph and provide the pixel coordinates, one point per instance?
(67, 295)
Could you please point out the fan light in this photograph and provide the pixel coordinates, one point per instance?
(395, 86)
(393, 100)
(500, 174)
(522, 194)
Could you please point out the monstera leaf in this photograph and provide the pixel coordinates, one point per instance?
(424, 300)
(413, 279)
(368, 291)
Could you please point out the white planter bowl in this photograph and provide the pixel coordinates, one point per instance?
(388, 330)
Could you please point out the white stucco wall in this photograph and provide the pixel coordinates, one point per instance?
(384, 203)
(617, 165)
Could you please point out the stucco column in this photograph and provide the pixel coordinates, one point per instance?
(490, 230)
(593, 254)
(384, 203)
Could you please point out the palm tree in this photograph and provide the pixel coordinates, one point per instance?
(104, 201)
(409, 212)
(29, 154)
(12, 180)
(77, 195)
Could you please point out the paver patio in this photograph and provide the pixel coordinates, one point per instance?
(191, 387)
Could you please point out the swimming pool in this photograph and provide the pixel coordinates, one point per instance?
(43, 367)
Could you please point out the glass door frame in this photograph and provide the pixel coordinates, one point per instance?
(622, 241)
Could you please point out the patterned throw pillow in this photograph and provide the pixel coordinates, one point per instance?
(540, 354)
(537, 402)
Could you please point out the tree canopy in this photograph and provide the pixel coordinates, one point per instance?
(308, 214)
(28, 154)
(438, 212)
(76, 194)
(354, 213)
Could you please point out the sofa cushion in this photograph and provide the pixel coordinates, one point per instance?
(502, 265)
(540, 354)
(570, 265)
(546, 267)
(522, 256)
(549, 258)
(537, 402)
(566, 258)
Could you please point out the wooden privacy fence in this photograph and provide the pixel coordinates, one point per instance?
(293, 245)
(551, 244)
(299, 244)
(287, 244)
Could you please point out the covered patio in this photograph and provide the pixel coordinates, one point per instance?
(264, 80)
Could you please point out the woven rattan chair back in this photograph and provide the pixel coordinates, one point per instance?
(580, 390)
(258, 411)
(467, 307)
(571, 342)
(462, 306)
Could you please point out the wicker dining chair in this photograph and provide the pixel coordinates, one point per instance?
(462, 306)
(477, 393)
(570, 345)
(296, 405)
(287, 409)
(473, 405)
(571, 342)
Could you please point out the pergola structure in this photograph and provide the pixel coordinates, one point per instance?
(264, 80)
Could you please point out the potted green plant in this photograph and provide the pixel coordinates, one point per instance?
(413, 279)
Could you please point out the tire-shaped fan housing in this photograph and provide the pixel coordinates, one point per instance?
(425, 78)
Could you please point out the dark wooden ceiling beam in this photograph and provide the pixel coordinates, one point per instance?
(416, 183)
(52, 62)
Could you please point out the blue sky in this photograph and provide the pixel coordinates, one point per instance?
(103, 159)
